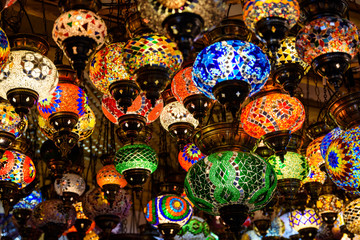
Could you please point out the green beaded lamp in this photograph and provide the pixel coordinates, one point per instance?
(136, 162)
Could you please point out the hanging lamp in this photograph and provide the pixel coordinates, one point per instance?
(306, 223)
(70, 187)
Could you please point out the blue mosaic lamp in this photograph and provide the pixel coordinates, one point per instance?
(23, 209)
(230, 71)
(325, 143)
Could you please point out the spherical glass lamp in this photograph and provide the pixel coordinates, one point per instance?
(136, 162)
(109, 75)
(230, 184)
(189, 155)
(342, 161)
(230, 71)
(306, 223)
(328, 44)
(329, 205)
(4, 49)
(196, 229)
(154, 59)
(313, 152)
(168, 213)
(70, 187)
(271, 19)
(176, 119)
(351, 217)
(79, 33)
(325, 143)
(53, 218)
(273, 116)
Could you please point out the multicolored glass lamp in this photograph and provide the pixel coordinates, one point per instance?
(271, 19)
(28, 75)
(23, 209)
(79, 32)
(109, 75)
(154, 59)
(306, 223)
(182, 20)
(329, 206)
(230, 184)
(168, 213)
(325, 143)
(136, 162)
(351, 216)
(4, 49)
(328, 44)
(82, 225)
(196, 229)
(70, 187)
(230, 71)
(189, 155)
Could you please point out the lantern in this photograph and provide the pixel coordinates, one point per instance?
(70, 187)
(189, 155)
(23, 209)
(82, 224)
(4, 49)
(196, 229)
(306, 223)
(325, 143)
(329, 205)
(351, 216)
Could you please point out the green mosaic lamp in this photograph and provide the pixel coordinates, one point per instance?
(136, 162)
(230, 184)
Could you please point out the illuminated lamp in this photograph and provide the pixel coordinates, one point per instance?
(351, 216)
(154, 59)
(306, 223)
(271, 19)
(328, 44)
(82, 225)
(325, 143)
(247, 181)
(23, 209)
(230, 71)
(196, 229)
(109, 75)
(70, 187)
(168, 213)
(329, 206)
(189, 155)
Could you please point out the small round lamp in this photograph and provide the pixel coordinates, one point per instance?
(306, 223)
(189, 155)
(70, 187)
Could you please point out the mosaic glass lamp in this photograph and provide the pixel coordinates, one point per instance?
(79, 33)
(230, 184)
(230, 71)
(136, 162)
(289, 67)
(185, 92)
(271, 19)
(196, 229)
(329, 206)
(23, 209)
(154, 59)
(182, 20)
(168, 213)
(178, 121)
(306, 223)
(82, 226)
(328, 44)
(273, 117)
(110, 181)
(70, 187)
(109, 75)
(325, 143)
(53, 218)
(4, 49)
(189, 155)
(351, 216)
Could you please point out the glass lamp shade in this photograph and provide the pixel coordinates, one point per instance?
(70, 183)
(79, 23)
(108, 66)
(325, 143)
(79, 210)
(109, 175)
(140, 106)
(329, 203)
(17, 168)
(67, 97)
(10, 121)
(327, 35)
(189, 155)
(30, 201)
(313, 153)
(136, 156)
(196, 229)
(230, 60)
(168, 208)
(287, 54)
(351, 216)
(272, 112)
(4, 49)
(342, 161)
(307, 219)
(95, 204)
(175, 112)
(29, 70)
(293, 166)
(230, 178)
(256, 10)
(84, 127)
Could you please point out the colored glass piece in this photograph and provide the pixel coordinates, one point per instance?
(141, 106)
(10, 121)
(230, 60)
(325, 143)
(196, 229)
(29, 70)
(4, 49)
(255, 10)
(307, 219)
(67, 97)
(329, 203)
(189, 155)
(327, 35)
(109, 175)
(352, 217)
(168, 208)
(175, 112)
(315, 175)
(272, 112)
(30, 201)
(228, 178)
(313, 153)
(70, 183)
(294, 166)
(108, 66)
(9, 3)
(136, 156)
